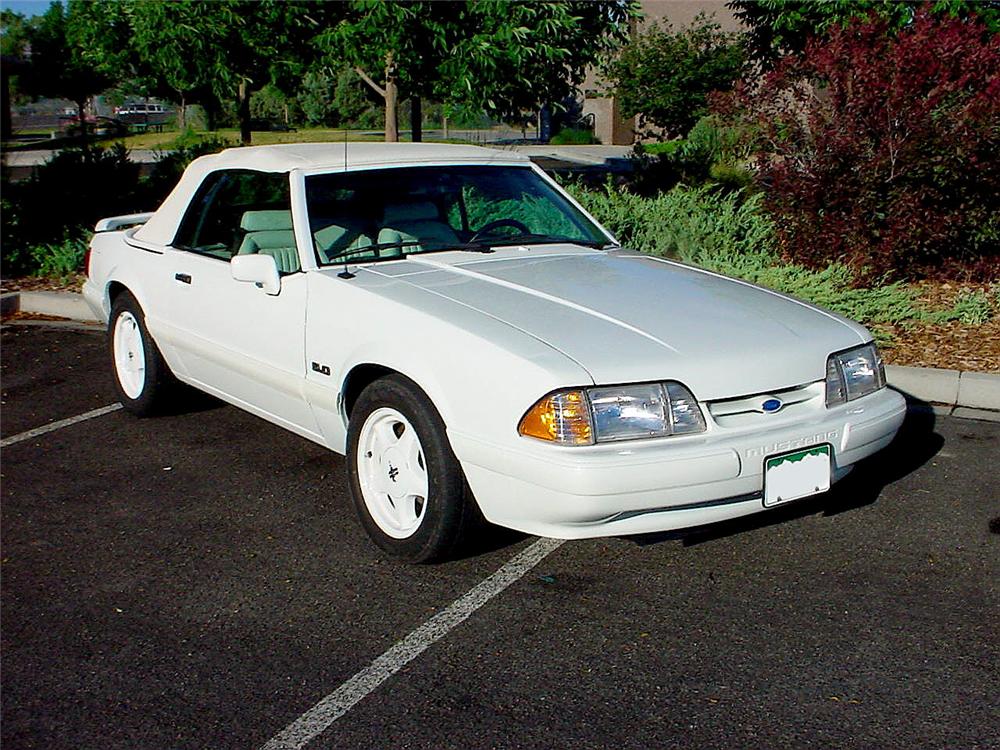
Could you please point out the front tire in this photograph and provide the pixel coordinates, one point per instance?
(142, 378)
(406, 484)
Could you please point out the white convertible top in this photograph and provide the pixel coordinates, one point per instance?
(334, 157)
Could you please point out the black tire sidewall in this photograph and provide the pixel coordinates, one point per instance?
(447, 505)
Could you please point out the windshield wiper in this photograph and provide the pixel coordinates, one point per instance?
(345, 254)
(545, 239)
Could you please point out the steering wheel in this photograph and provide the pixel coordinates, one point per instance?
(490, 226)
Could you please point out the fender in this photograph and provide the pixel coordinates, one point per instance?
(420, 332)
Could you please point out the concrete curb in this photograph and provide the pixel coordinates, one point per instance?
(975, 395)
(60, 304)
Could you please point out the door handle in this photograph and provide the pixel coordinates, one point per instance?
(184, 278)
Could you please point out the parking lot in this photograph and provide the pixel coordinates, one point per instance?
(198, 581)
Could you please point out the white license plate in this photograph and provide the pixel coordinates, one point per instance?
(794, 475)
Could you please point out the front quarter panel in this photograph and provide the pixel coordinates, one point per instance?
(481, 374)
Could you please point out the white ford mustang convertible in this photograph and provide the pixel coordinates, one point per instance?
(475, 342)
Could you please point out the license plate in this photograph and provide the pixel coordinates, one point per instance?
(793, 475)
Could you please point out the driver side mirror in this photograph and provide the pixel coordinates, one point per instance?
(258, 269)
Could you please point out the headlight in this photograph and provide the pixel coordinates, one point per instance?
(585, 416)
(853, 374)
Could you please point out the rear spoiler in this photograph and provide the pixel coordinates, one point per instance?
(113, 223)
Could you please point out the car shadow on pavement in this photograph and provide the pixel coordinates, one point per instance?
(188, 400)
(915, 444)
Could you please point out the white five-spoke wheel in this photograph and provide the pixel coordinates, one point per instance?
(142, 378)
(392, 472)
(129, 354)
(406, 484)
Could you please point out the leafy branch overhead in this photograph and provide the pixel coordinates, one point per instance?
(780, 27)
(500, 57)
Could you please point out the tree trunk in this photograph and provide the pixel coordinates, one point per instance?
(391, 101)
(244, 113)
(416, 119)
(81, 113)
(182, 113)
(7, 128)
(444, 125)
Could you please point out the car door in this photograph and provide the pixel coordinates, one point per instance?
(233, 339)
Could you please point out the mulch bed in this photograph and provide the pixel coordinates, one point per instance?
(952, 346)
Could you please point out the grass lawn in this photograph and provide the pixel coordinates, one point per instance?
(168, 138)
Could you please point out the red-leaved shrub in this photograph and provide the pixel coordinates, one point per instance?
(883, 151)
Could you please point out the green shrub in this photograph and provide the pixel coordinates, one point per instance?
(663, 148)
(74, 189)
(970, 308)
(713, 153)
(696, 225)
(60, 203)
(973, 308)
(62, 259)
(573, 137)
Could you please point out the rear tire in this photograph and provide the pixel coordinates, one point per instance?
(142, 378)
(407, 487)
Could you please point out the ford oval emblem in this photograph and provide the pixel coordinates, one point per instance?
(771, 405)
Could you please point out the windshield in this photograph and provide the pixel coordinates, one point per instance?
(382, 214)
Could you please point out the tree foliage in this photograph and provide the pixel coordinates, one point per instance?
(15, 30)
(175, 45)
(57, 65)
(780, 27)
(881, 149)
(665, 76)
(486, 54)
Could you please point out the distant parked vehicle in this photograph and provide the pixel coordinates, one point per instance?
(142, 113)
(141, 108)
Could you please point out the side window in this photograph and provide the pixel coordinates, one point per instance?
(241, 212)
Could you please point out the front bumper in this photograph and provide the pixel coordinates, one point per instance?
(645, 486)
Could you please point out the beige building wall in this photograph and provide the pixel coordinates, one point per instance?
(609, 126)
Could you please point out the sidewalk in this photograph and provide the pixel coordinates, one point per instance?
(970, 395)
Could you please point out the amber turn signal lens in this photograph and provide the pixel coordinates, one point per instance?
(561, 417)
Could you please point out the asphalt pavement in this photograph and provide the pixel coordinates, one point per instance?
(198, 580)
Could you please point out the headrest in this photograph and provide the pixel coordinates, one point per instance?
(415, 211)
(261, 221)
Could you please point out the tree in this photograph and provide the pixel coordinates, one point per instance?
(487, 54)
(880, 149)
(57, 65)
(225, 49)
(779, 27)
(177, 43)
(15, 33)
(665, 77)
(260, 42)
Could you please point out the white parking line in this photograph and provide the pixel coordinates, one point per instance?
(318, 718)
(53, 426)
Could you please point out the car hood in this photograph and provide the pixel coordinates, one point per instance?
(626, 317)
